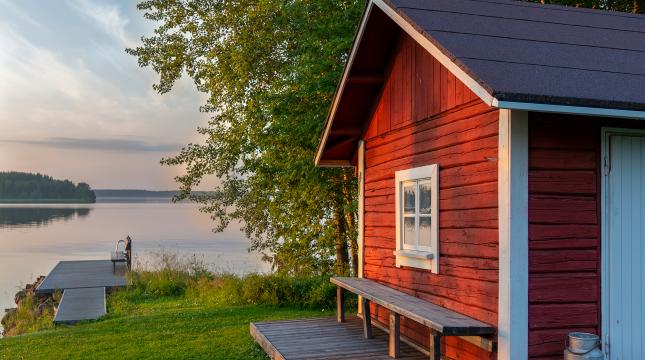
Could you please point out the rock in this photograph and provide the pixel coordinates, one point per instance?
(38, 306)
(5, 319)
(41, 308)
(20, 295)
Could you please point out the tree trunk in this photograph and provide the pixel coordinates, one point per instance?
(638, 7)
(340, 223)
(351, 222)
(353, 243)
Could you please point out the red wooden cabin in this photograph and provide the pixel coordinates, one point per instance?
(501, 154)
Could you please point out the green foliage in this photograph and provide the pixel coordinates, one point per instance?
(160, 283)
(270, 69)
(633, 6)
(28, 318)
(17, 186)
(310, 292)
(276, 290)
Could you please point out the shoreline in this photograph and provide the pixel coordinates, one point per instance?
(44, 201)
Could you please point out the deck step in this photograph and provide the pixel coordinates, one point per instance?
(324, 339)
(81, 304)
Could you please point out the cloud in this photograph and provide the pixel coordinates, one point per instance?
(14, 11)
(107, 17)
(105, 144)
(20, 56)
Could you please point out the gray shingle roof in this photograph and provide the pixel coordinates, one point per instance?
(527, 52)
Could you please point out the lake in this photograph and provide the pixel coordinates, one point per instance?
(33, 237)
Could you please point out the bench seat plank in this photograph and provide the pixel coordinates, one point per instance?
(442, 320)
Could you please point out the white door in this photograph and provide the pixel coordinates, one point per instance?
(624, 246)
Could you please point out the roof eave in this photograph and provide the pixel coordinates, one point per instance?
(341, 88)
(568, 109)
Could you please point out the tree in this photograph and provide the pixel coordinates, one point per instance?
(270, 69)
(19, 186)
(633, 6)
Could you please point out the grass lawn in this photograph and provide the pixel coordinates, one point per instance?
(154, 328)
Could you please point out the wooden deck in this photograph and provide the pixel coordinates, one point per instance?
(84, 284)
(83, 274)
(81, 304)
(324, 338)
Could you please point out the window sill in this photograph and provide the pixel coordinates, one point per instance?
(416, 259)
(423, 255)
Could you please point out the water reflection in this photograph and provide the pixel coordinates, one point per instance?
(26, 217)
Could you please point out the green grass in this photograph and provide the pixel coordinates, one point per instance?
(149, 327)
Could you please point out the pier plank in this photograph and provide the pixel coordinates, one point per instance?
(83, 274)
(81, 304)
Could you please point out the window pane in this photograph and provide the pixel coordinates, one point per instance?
(409, 192)
(425, 194)
(408, 231)
(424, 230)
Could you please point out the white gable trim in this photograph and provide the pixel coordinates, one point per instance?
(567, 109)
(512, 327)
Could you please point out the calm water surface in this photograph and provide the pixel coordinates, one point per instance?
(33, 238)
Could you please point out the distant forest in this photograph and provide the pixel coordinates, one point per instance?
(134, 193)
(26, 187)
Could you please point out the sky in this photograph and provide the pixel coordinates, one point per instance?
(74, 105)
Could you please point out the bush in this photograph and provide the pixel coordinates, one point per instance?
(265, 289)
(31, 315)
(171, 275)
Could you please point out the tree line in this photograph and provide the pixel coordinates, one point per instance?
(270, 69)
(19, 186)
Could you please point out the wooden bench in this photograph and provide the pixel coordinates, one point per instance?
(440, 321)
(123, 254)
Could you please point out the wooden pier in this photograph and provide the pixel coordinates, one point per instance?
(82, 274)
(81, 304)
(325, 338)
(84, 285)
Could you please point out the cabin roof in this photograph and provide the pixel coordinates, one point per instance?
(512, 54)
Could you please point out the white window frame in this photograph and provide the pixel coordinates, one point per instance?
(423, 257)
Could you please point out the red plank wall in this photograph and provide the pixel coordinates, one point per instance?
(564, 230)
(425, 116)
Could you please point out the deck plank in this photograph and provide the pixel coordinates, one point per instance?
(81, 304)
(83, 274)
(324, 338)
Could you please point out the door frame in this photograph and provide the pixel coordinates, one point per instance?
(605, 165)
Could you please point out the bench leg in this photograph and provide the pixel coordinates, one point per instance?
(367, 319)
(340, 304)
(395, 335)
(435, 346)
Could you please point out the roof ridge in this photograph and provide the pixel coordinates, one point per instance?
(519, 19)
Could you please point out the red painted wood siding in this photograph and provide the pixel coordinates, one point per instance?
(564, 231)
(426, 116)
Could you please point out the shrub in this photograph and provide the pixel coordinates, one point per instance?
(31, 315)
(188, 277)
